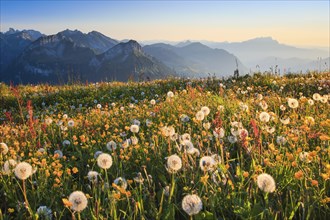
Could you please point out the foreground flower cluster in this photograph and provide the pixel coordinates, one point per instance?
(247, 148)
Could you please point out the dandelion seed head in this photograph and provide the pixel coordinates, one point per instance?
(104, 161)
(78, 201)
(266, 183)
(192, 204)
(23, 170)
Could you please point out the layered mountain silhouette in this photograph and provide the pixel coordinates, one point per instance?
(29, 56)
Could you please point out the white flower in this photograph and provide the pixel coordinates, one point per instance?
(264, 117)
(104, 161)
(316, 96)
(192, 204)
(199, 116)
(134, 140)
(168, 131)
(293, 103)
(232, 139)
(324, 99)
(185, 137)
(193, 151)
(65, 116)
(205, 110)
(92, 176)
(304, 156)
(219, 132)
(98, 106)
(70, 123)
(78, 200)
(66, 143)
(3, 148)
(120, 181)
(282, 107)
(170, 94)
(207, 125)
(48, 121)
(44, 212)
(266, 183)
(111, 146)
(174, 163)
(207, 163)
(8, 166)
(152, 101)
(134, 128)
(285, 121)
(310, 101)
(281, 140)
(23, 170)
(59, 153)
(263, 105)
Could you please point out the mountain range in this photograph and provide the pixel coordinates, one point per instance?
(29, 56)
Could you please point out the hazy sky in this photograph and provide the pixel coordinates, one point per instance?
(301, 23)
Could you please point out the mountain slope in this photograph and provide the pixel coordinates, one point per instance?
(196, 59)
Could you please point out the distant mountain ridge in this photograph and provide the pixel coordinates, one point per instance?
(29, 56)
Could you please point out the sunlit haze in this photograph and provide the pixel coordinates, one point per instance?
(300, 23)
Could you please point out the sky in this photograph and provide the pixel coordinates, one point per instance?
(298, 23)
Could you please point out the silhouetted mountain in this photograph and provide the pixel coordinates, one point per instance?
(94, 40)
(13, 42)
(196, 59)
(128, 61)
(253, 51)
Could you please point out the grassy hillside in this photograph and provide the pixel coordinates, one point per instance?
(153, 144)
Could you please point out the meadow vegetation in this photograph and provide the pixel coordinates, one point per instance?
(255, 147)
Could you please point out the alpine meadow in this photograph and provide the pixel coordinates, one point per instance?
(164, 110)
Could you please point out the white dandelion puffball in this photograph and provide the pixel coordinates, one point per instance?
(174, 163)
(293, 103)
(111, 145)
(8, 166)
(205, 110)
(168, 131)
(152, 101)
(48, 121)
(98, 106)
(104, 161)
(23, 170)
(264, 117)
(316, 96)
(304, 156)
(192, 204)
(44, 212)
(285, 121)
(266, 183)
(310, 101)
(78, 200)
(134, 128)
(3, 148)
(207, 125)
(120, 181)
(207, 163)
(170, 94)
(70, 123)
(92, 176)
(199, 116)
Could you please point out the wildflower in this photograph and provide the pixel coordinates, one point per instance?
(324, 99)
(185, 137)
(44, 212)
(134, 140)
(65, 116)
(97, 153)
(168, 131)
(184, 118)
(207, 125)
(285, 121)
(78, 201)
(148, 123)
(174, 163)
(293, 103)
(8, 166)
(207, 163)
(111, 146)
(3, 148)
(98, 106)
(199, 116)
(310, 101)
(304, 156)
(92, 176)
(70, 123)
(134, 128)
(281, 140)
(316, 96)
(232, 139)
(218, 178)
(152, 101)
(66, 143)
(193, 151)
(205, 110)
(23, 170)
(59, 153)
(104, 161)
(264, 117)
(170, 94)
(298, 175)
(120, 181)
(48, 121)
(263, 105)
(139, 179)
(219, 132)
(192, 204)
(266, 183)
(282, 107)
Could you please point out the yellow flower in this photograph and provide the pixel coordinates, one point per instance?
(299, 175)
(75, 170)
(11, 210)
(204, 179)
(66, 202)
